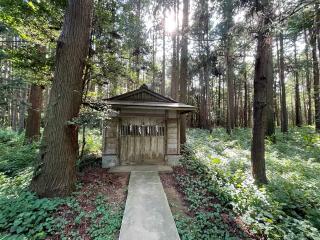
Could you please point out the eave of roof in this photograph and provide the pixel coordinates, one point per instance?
(151, 105)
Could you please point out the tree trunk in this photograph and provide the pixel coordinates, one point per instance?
(206, 67)
(137, 50)
(219, 102)
(163, 80)
(177, 32)
(55, 175)
(154, 53)
(308, 80)
(14, 110)
(250, 104)
(245, 108)
(174, 72)
(316, 89)
(284, 111)
(270, 128)
(293, 116)
(235, 104)
(34, 114)
(228, 54)
(22, 108)
(304, 103)
(297, 89)
(230, 85)
(260, 101)
(184, 67)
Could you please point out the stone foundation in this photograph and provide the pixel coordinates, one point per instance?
(173, 160)
(109, 161)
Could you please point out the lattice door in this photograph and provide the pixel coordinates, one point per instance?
(142, 141)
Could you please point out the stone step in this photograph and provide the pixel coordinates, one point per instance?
(147, 214)
(142, 168)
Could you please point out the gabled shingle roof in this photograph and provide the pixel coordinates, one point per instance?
(144, 98)
(142, 94)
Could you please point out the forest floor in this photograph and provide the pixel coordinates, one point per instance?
(96, 209)
(212, 194)
(226, 227)
(215, 185)
(93, 211)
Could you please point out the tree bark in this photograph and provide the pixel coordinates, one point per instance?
(245, 108)
(219, 102)
(154, 53)
(22, 108)
(174, 70)
(163, 80)
(55, 174)
(184, 66)
(316, 89)
(297, 89)
(206, 66)
(14, 110)
(137, 48)
(34, 114)
(229, 74)
(308, 80)
(284, 111)
(270, 128)
(203, 52)
(228, 54)
(260, 101)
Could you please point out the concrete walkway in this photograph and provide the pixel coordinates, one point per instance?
(147, 214)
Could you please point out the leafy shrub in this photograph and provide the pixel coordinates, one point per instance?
(23, 215)
(93, 142)
(27, 215)
(14, 155)
(109, 220)
(91, 154)
(206, 221)
(89, 160)
(289, 206)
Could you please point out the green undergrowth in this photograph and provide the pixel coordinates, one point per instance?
(85, 215)
(208, 217)
(92, 149)
(218, 166)
(24, 216)
(14, 154)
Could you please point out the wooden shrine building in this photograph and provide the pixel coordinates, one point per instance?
(145, 131)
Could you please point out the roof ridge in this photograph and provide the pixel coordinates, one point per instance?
(143, 88)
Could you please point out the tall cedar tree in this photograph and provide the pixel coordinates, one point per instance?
(228, 21)
(270, 121)
(316, 91)
(163, 80)
(308, 79)
(297, 87)
(56, 173)
(284, 112)
(184, 67)
(34, 113)
(174, 60)
(260, 101)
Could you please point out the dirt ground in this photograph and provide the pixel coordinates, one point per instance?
(92, 182)
(175, 197)
(100, 181)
